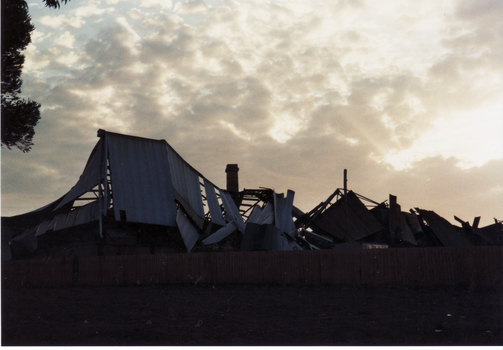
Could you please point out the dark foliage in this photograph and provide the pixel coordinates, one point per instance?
(54, 3)
(16, 29)
(19, 116)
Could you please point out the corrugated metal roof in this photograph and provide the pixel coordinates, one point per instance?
(78, 216)
(221, 233)
(141, 180)
(406, 233)
(42, 228)
(361, 222)
(283, 212)
(90, 176)
(188, 232)
(255, 215)
(72, 217)
(443, 229)
(186, 181)
(211, 198)
(87, 213)
(231, 210)
(28, 240)
(146, 176)
(397, 222)
(413, 222)
(278, 210)
(287, 224)
(189, 211)
(60, 221)
(267, 214)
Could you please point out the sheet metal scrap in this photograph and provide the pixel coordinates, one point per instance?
(189, 233)
(445, 232)
(360, 245)
(263, 216)
(260, 237)
(494, 231)
(252, 206)
(473, 234)
(360, 222)
(221, 234)
(317, 241)
(270, 226)
(398, 225)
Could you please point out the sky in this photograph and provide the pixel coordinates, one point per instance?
(405, 95)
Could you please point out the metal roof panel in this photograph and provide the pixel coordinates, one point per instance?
(361, 222)
(189, 233)
(186, 181)
(231, 210)
(221, 234)
(211, 198)
(443, 229)
(141, 180)
(90, 176)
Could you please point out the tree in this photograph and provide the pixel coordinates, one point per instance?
(19, 116)
(54, 3)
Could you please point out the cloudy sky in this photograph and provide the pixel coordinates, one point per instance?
(406, 95)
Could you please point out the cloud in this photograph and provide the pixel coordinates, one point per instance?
(167, 4)
(294, 92)
(480, 10)
(90, 10)
(62, 21)
(190, 7)
(440, 185)
(66, 39)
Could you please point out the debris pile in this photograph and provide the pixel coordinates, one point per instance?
(355, 218)
(138, 195)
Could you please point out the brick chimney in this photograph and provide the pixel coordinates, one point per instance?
(232, 178)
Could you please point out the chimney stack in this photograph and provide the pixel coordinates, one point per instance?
(232, 178)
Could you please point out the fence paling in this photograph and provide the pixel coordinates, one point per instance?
(412, 266)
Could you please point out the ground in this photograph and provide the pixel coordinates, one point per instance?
(251, 315)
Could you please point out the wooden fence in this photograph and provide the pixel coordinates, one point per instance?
(439, 266)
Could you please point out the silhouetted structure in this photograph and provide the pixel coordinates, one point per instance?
(138, 195)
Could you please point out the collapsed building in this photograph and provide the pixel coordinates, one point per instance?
(139, 196)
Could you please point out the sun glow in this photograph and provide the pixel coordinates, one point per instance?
(285, 127)
(473, 137)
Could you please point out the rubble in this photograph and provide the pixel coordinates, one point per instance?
(347, 219)
(140, 192)
(445, 232)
